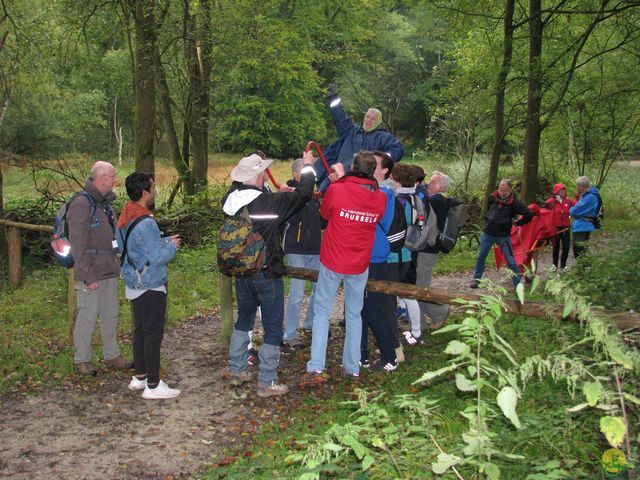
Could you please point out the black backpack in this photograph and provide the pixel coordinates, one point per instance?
(60, 243)
(456, 218)
(598, 220)
(398, 228)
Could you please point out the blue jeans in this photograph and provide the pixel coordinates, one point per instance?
(268, 294)
(328, 283)
(296, 295)
(486, 242)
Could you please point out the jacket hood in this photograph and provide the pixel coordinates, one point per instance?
(361, 178)
(238, 199)
(100, 197)
(557, 187)
(504, 201)
(131, 211)
(593, 190)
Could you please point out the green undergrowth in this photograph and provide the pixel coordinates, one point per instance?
(35, 347)
(404, 422)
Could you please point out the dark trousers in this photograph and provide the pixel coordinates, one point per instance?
(149, 317)
(398, 272)
(562, 239)
(580, 240)
(266, 293)
(375, 315)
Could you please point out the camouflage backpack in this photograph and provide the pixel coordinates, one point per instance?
(241, 249)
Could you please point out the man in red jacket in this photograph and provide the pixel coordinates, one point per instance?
(352, 205)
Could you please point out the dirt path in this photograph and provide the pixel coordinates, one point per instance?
(98, 429)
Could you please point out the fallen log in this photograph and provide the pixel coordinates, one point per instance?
(623, 320)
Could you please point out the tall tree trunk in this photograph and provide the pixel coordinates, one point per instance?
(198, 53)
(501, 86)
(534, 101)
(145, 92)
(172, 136)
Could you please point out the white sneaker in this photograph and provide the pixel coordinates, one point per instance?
(553, 269)
(136, 384)
(161, 392)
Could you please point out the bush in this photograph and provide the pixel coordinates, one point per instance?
(610, 276)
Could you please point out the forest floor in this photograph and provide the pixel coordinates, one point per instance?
(98, 428)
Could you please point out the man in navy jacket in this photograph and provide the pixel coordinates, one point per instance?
(370, 136)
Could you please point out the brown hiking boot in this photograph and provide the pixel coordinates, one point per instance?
(119, 363)
(312, 379)
(85, 368)
(238, 379)
(273, 389)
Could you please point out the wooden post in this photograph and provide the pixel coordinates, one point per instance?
(71, 304)
(14, 251)
(226, 305)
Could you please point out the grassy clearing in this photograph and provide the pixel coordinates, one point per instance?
(35, 347)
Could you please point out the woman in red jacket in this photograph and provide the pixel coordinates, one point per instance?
(560, 204)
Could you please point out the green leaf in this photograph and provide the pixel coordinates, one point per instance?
(632, 398)
(464, 384)
(436, 373)
(492, 471)
(534, 284)
(568, 308)
(456, 347)
(578, 407)
(593, 392)
(614, 430)
(507, 401)
(445, 461)
(367, 461)
(520, 292)
(621, 358)
(447, 328)
(334, 447)
(357, 447)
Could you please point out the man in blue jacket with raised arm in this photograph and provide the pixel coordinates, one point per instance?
(369, 136)
(584, 214)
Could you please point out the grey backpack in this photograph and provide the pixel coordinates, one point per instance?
(423, 231)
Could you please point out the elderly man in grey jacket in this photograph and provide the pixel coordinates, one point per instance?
(96, 269)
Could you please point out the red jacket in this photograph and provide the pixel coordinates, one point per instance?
(560, 208)
(352, 206)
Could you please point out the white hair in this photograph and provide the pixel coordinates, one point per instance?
(445, 180)
(296, 166)
(584, 181)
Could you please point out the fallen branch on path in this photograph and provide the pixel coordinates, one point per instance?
(622, 320)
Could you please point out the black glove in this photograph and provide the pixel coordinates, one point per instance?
(333, 90)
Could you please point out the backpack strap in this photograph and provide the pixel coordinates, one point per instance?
(126, 238)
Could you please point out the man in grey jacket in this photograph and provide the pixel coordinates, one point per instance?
(96, 269)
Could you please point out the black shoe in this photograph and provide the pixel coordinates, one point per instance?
(475, 284)
(384, 367)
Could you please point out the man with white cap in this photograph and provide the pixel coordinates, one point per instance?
(268, 212)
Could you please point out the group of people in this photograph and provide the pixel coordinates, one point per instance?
(95, 235)
(569, 216)
(355, 212)
(345, 236)
(361, 192)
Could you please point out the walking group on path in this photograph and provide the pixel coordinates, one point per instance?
(369, 203)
